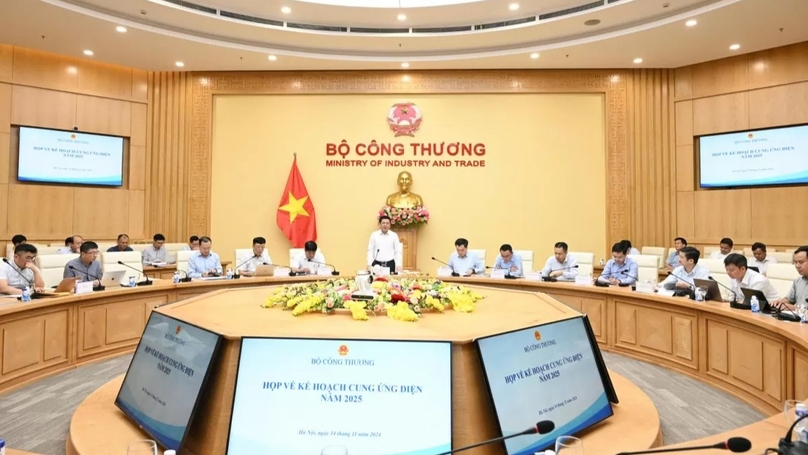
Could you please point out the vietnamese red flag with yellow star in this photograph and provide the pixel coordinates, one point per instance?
(296, 211)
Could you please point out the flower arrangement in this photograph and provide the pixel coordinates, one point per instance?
(414, 216)
(403, 299)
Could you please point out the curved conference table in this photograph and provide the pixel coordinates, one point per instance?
(752, 356)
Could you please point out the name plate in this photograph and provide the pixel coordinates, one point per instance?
(665, 292)
(324, 272)
(444, 271)
(281, 272)
(645, 288)
(84, 287)
(583, 280)
(498, 273)
(533, 276)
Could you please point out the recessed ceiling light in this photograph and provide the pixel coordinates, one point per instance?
(534, 55)
(405, 78)
(272, 58)
(180, 64)
(88, 52)
(592, 22)
(120, 29)
(402, 17)
(513, 6)
(735, 47)
(405, 65)
(638, 60)
(691, 23)
(286, 10)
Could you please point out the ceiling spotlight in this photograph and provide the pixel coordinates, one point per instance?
(402, 17)
(180, 64)
(534, 55)
(272, 58)
(405, 65)
(638, 60)
(88, 52)
(691, 23)
(405, 78)
(286, 10)
(735, 47)
(592, 22)
(513, 6)
(120, 29)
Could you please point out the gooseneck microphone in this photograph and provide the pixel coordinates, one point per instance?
(636, 279)
(334, 270)
(736, 445)
(734, 295)
(690, 285)
(553, 279)
(100, 286)
(543, 427)
(291, 272)
(145, 282)
(235, 272)
(447, 265)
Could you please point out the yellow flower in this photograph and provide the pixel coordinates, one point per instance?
(401, 312)
(357, 310)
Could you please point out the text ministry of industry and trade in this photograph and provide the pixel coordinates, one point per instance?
(373, 149)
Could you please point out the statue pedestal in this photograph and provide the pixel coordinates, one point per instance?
(409, 242)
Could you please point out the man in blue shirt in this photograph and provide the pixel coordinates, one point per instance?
(687, 271)
(673, 259)
(620, 269)
(512, 263)
(464, 263)
(204, 263)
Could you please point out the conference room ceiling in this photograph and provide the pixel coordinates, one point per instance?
(161, 33)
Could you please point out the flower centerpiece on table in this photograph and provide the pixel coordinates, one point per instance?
(403, 299)
(405, 216)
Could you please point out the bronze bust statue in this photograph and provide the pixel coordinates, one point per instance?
(404, 198)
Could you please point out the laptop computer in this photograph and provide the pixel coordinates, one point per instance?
(765, 306)
(113, 279)
(713, 293)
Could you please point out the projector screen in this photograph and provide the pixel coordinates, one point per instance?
(546, 372)
(168, 371)
(342, 397)
(776, 156)
(53, 156)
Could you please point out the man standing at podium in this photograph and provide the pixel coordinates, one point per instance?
(384, 248)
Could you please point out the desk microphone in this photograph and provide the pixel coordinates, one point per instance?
(553, 279)
(34, 294)
(734, 295)
(291, 272)
(508, 275)
(100, 286)
(689, 292)
(543, 427)
(333, 269)
(447, 265)
(636, 279)
(736, 445)
(187, 279)
(146, 282)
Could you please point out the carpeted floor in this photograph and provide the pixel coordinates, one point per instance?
(36, 418)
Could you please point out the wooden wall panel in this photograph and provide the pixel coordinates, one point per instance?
(140, 85)
(684, 123)
(683, 82)
(719, 114)
(770, 205)
(782, 65)
(722, 213)
(652, 156)
(53, 206)
(4, 209)
(685, 168)
(99, 211)
(40, 107)
(5, 108)
(137, 167)
(720, 76)
(685, 215)
(140, 115)
(104, 79)
(5, 158)
(6, 59)
(137, 215)
(42, 69)
(95, 114)
(779, 105)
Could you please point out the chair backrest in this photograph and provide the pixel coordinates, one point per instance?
(52, 267)
(139, 246)
(782, 276)
(293, 254)
(708, 250)
(647, 267)
(527, 259)
(182, 261)
(586, 262)
(171, 251)
(713, 265)
(655, 251)
(109, 261)
(41, 250)
(480, 254)
(240, 255)
(781, 257)
(104, 246)
(791, 251)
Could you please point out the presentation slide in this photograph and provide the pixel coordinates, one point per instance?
(342, 397)
(540, 373)
(70, 157)
(166, 375)
(755, 158)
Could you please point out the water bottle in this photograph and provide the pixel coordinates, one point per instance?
(602, 262)
(2, 447)
(755, 304)
(176, 277)
(699, 295)
(229, 274)
(800, 410)
(132, 281)
(170, 452)
(26, 294)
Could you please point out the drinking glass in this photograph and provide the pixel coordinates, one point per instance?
(569, 445)
(334, 450)
(144, 447)
(790, 410)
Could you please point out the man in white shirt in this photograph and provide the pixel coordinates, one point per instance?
(310, 260)
(560, 265)
(724, 249)
(248, 264)
(21, 271)
(742, 277)
(193, 244)
(155, 253)
(463, 262)
(762, 260)
(384, 248)
(629, 249)
(73, 246)
(688, 270)
(673, 259)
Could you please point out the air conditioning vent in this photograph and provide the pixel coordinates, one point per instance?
(462, 28)
(193, 6)
(318, 28)
(245, 18)
(510, 23)
(573, 10)
(378, 30)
